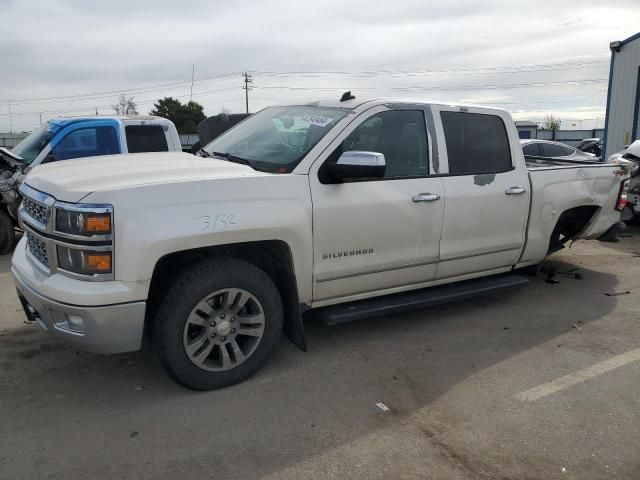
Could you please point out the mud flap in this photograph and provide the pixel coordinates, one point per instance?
(612, 234)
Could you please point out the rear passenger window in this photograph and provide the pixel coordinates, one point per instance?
(531, 149)
(146, 138)
(568, 151)
(476, 143)
(553, 150)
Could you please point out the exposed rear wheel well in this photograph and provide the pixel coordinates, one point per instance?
(271, 256)
(570, 224)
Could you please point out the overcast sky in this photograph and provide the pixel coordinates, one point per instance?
(487, 52)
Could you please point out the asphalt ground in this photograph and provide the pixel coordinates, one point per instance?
(535, 383)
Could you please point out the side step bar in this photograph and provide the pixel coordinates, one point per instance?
(348, 312)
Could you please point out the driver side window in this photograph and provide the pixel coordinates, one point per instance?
(87, 142)
(398, 134)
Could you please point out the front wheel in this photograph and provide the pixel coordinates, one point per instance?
(218, 324)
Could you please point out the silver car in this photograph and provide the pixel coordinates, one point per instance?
(546, 150)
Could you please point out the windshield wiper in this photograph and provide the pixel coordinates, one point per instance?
(203, 153)
(232, 158)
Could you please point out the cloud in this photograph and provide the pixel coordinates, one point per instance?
(71, 47)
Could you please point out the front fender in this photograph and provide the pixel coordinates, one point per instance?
(152, 221)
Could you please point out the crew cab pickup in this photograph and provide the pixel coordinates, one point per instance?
(343, 209)
(74, 137)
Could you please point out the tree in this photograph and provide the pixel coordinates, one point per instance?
(551, 123)
(185, 116)
(125, 106)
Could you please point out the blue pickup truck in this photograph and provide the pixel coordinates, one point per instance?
(68, 138)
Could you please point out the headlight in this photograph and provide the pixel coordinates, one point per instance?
(84, 262)
(83, 223)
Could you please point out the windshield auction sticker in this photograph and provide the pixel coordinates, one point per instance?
(317, 120)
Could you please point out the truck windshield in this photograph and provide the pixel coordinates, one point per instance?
(32, 145)
(276, 138)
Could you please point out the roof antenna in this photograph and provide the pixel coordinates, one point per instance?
(347, 96)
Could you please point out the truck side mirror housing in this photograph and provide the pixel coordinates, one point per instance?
(358, 165)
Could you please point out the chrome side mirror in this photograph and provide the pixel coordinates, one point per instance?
(357, 165)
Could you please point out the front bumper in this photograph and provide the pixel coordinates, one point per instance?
(100, 329)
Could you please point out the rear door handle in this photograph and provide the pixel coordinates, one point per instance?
(426, 197)
(515, 191)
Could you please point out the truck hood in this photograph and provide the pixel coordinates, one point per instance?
(72, 180)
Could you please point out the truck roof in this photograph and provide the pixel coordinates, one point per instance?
(64, 120)
(358, 104)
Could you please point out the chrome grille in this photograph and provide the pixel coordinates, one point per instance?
(37, 248)
(36, 210)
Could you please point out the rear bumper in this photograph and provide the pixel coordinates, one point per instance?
(100, 329)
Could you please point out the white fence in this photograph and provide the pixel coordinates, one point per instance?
(570, 137)
(10, 140)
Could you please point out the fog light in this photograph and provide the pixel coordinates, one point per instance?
(68, 322)
(76, 323)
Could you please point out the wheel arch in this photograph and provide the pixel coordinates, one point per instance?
(272, 256)
(571, 223)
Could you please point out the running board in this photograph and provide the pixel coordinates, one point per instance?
(389, 304)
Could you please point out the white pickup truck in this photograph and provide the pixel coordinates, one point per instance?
(347, 209)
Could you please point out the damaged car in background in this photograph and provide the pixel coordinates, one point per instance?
(630, 155)
(72, 138)
(11, 175)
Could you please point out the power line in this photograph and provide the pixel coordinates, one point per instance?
(108, 93)
(367, 73)
(416, 74)
(141, 102)
(458, 87)
(442, 69)
(31, 124)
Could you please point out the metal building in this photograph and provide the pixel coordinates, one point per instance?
(527, 129)
(623, 98)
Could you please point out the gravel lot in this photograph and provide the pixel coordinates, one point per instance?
(536, 383)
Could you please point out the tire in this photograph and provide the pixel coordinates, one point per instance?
(211, 292)
(7, 233)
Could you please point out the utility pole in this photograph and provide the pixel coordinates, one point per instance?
(193, 70)
(96, 110)
(40, 118)
(248, 79)
(10, 118)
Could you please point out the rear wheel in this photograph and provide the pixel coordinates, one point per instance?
(218, 324)
(7, 233)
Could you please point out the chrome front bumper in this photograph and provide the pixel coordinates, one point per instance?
(100, 329)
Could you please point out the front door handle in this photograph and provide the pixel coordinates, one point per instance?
(515, 191)
(426, 197)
